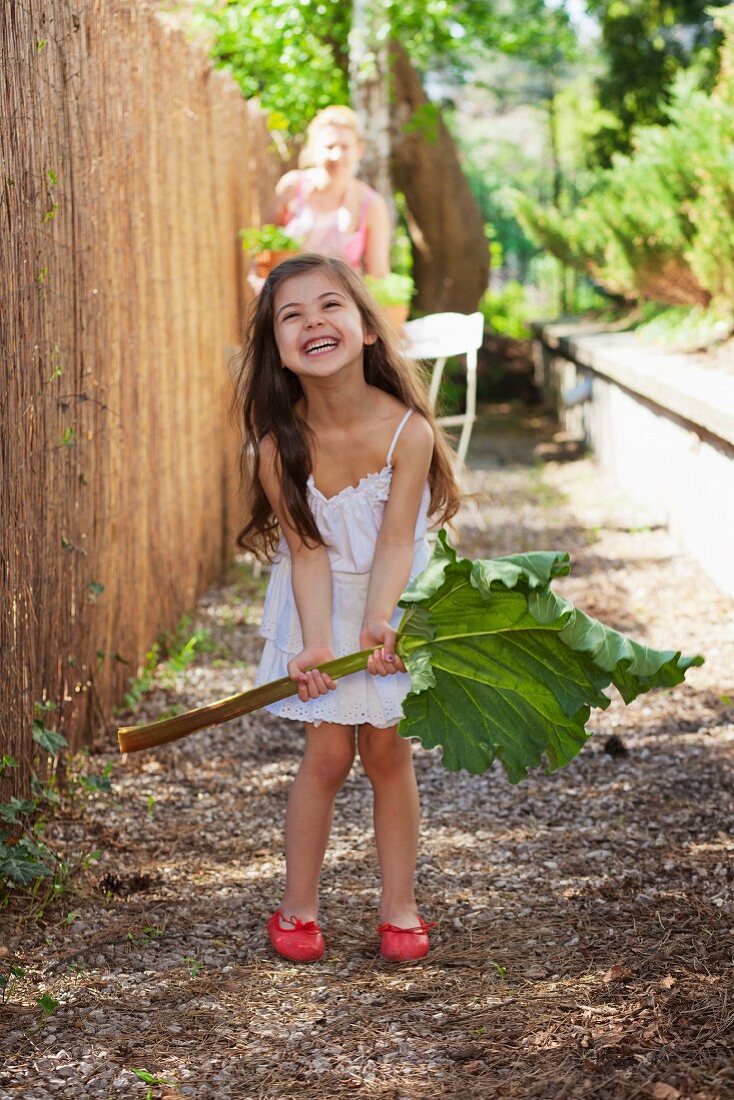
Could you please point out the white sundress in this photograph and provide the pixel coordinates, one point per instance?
(349, 523)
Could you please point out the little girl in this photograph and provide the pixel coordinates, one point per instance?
(345, 465)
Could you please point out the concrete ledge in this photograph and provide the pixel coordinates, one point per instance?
(661, 424)
(701, 395)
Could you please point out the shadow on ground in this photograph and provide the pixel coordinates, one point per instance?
(585, 923)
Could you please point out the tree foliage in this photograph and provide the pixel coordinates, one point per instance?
(645, 45)
(660, 223)
(294, 54)
(290, 54)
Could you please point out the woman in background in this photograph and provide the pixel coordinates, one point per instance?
(326, 207)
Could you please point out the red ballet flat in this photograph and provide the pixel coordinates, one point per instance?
(401, 944)
(301, 942)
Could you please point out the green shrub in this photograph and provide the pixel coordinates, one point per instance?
(30, 868)
(392, 290)
(684, 328)
(511, 310)
(659, 224)
(268, 237)
(506, 311)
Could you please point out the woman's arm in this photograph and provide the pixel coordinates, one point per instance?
(311, 582)
(285, 190)
(377, 246)
(393, 559)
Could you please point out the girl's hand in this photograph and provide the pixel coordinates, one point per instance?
(302, 669)
(380, 636)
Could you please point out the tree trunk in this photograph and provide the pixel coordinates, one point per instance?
(369, 80)
(450, 253)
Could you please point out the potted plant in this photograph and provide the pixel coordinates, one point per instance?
(393, 293)
(268, 245)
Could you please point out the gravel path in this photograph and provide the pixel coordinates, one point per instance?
(585, 920)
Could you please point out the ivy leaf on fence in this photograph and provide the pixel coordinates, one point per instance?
(50, 741)
(9, 811)
(24, 862)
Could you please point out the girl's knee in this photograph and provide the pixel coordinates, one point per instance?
(383, 751)
(329, 763)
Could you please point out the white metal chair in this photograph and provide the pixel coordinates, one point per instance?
(438, 336)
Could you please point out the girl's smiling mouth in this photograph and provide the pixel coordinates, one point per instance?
(320, 344)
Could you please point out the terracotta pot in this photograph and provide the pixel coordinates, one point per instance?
(266, 260)
(282, 254)
(262, 264)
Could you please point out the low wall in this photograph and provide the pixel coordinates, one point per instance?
(661, 424)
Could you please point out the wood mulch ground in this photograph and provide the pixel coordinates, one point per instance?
(585, 919)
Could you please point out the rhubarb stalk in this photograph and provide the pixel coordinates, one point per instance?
(136, 738)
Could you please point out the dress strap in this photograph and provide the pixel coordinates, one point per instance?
(396, 437)
(366, 204)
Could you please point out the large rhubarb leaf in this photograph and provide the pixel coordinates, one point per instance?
(504, 668)
(501, 667)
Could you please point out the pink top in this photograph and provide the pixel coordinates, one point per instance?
(329, 231)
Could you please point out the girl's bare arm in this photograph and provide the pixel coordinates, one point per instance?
(311, 581)
(395, 545)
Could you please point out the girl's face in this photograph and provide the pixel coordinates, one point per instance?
(318, 327)
(337, 150)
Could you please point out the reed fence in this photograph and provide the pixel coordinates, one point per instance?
(128, 167)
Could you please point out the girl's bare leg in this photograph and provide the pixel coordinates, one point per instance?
(388, 761)
(326, 763)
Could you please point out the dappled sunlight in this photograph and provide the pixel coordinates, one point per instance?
(563, 167)
(579, 915)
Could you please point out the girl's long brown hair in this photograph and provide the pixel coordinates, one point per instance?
(266, 394)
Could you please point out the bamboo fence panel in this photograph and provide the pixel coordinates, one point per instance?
(128, 167)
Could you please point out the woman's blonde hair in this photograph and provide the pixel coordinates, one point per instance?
(336, 115)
